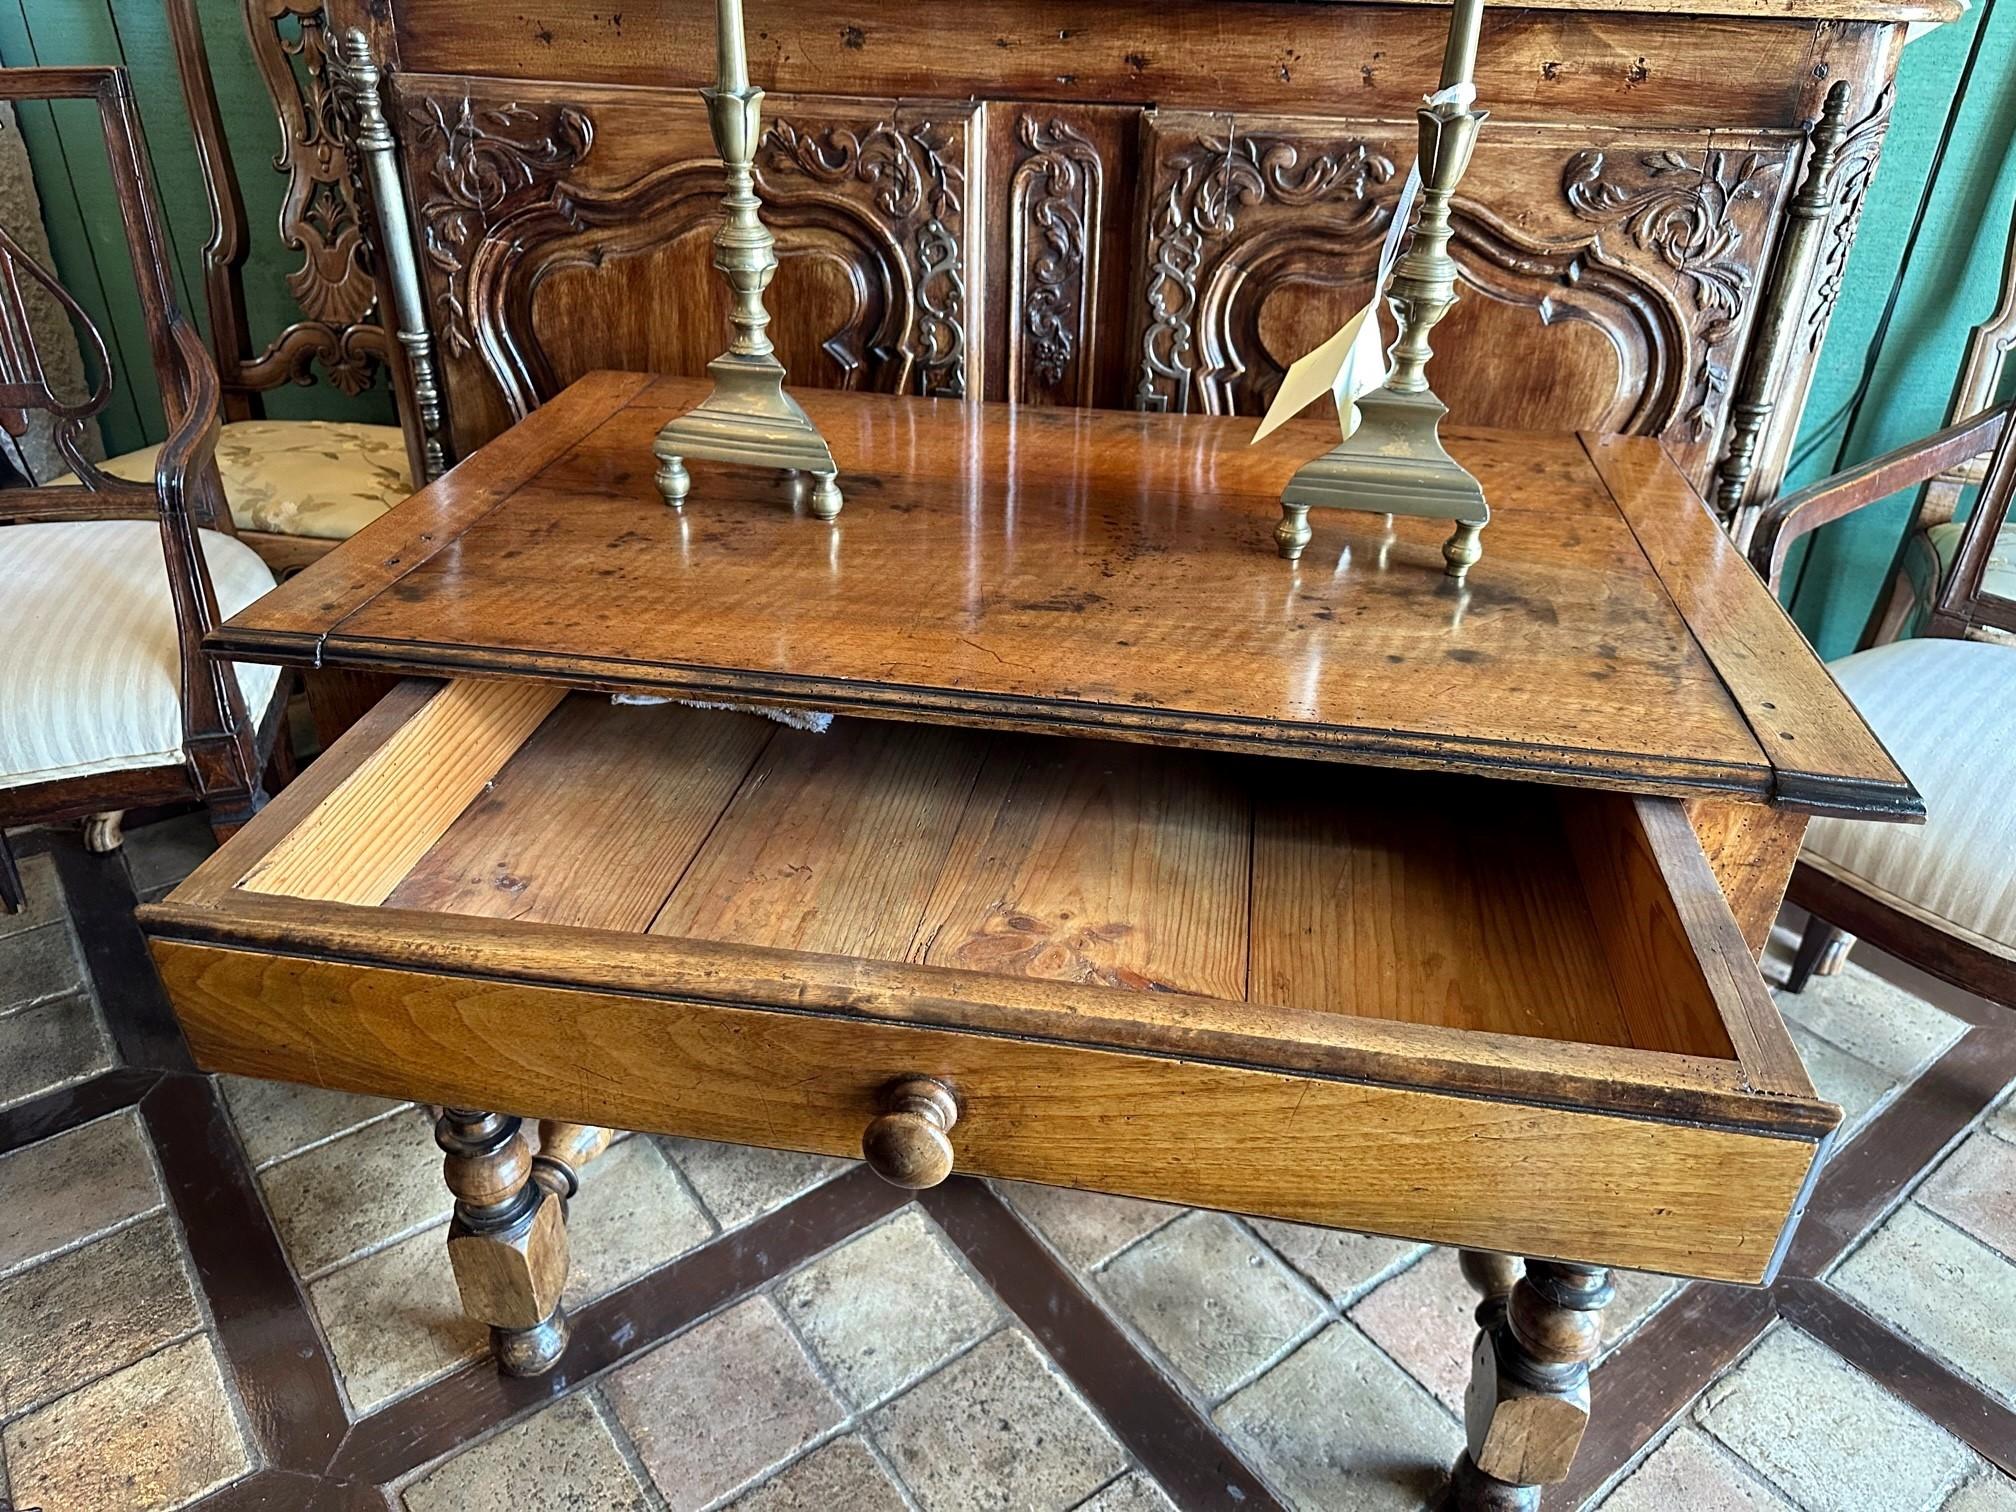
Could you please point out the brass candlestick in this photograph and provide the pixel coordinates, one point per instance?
(748, 418)
(1395, 463)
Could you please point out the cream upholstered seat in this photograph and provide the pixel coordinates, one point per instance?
(1946, 708)
(1942, 544)
(90, 665)
(322, 479)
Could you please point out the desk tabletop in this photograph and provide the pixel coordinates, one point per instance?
(1107, 573)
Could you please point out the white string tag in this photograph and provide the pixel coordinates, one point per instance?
(1352, 363)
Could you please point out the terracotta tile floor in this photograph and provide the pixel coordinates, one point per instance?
(230, 1294)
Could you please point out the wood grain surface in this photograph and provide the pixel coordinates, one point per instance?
(1827, 759)
(1430, 900)
(1167, 879)
(1110, 573)
(1670, 1197)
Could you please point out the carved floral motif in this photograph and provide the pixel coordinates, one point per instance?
(1854, 169)
(1056, 196)
(487, 162)
(917, 181)
(1680, 210)
(1206, 187)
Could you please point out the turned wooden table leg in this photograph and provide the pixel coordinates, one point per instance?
(508, 1241)
(563, 1149)
(1529, 1379)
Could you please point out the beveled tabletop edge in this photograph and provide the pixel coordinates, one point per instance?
(1598, 1080)
(301, 623)
(1825, 759)
(1476, 757)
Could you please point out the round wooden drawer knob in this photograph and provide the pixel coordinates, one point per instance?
(908, 1144)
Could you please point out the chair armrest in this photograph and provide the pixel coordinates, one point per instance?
(1797, 514)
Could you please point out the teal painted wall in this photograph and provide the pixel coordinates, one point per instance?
(67, 151)
(1925, 269)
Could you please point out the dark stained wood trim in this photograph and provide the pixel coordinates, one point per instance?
(1821, 751)
(626, 1323)
(1598, 1080)
(1867, 1178)
(137, 1011)
(1654, 774)
(1945, 955)
(272, 1346)
(1652, 1377)
(66, 1108)
(1903, 1369)
(1174, 1442)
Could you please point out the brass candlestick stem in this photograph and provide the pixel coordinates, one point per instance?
(1395, 463)
(748, 417)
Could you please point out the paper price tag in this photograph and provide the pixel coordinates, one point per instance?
(1352, 363)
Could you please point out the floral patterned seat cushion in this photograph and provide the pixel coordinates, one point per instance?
(326, 479)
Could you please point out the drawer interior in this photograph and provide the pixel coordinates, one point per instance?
(1508, 908)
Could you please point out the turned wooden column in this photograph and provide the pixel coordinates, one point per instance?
(1529, 1378)
(563, 1149)
(508, 1241)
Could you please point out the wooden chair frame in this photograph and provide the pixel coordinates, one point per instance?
(224, 750)
(1963, 606)
(347, 222)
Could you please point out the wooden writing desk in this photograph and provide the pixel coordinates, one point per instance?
(1157, 865)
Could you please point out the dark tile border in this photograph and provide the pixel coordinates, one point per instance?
(1871, 1175)
(1902, 1368)
(1178, 1445)
(417, 1429)
(317, 1461)
(65, 1108)
(283, 1371)
(135, 1005)
(1655, 1375)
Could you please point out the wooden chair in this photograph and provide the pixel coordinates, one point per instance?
(1931, 542)
(1942, 897)
(107, 586)
(295, 487)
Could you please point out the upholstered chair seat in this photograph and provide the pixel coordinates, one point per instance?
(1946, 708)
(90, 665)
(319, 479)
(1932, 560)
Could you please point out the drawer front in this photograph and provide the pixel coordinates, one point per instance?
(1632, 1191)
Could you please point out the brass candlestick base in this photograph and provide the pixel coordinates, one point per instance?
(1394, 463)
(748, 418)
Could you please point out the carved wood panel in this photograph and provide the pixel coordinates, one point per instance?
(1607, 287)
(559, 237)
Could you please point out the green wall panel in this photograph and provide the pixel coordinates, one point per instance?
(1925, 269)
(86, 237)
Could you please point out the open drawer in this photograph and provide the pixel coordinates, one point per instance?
(1482, 1013)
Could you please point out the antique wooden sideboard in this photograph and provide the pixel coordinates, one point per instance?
(1138, 859)
(1152, 203)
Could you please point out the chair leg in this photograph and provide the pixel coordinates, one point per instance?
(1814, 945)
(13, 897)
(508, 1242)
(105, 833)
